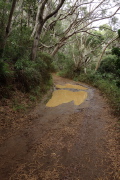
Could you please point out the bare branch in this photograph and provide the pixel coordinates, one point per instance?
(56, 10)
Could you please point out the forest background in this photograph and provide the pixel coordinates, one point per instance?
(38, 37)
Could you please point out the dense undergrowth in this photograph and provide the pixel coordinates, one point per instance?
(25, 75)
(18, 72)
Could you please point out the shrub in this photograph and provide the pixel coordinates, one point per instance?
(116, 51)
(68, 69)
(18, 44)
(6, 75)
(30, 74)
(119, 33)
(108, 64)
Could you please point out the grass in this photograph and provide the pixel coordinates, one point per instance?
(18, 107)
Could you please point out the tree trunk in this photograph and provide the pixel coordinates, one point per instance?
(7, 30)
(40, 21)
(56, 49)
(36, 23)
(36, 41)
(10, 17)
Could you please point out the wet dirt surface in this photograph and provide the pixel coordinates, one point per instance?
(66, 142)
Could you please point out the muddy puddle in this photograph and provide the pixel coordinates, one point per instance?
(71, 86)
(65, 96)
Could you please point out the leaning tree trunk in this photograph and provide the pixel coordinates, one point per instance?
(57, 49)
(36, 41)
(7, 31)
(40, 21)
(36, 23)
(10, 17)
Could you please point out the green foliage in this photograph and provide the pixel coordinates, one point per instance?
(107, 32)
(4, 8)
(60, 61)
(28, 77)
(46, 58)
(119, 33)
(59, 27)
(68, 70)
(32, 98)
(110, 67)
(5, 73)
(116, 51)
(18, 107)
(95, 39)
(65, 65)
(46, 38)
(31, 74)
(108, 64)
(18, 44)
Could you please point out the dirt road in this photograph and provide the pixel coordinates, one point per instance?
(66, 142)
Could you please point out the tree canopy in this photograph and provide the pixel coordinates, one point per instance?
(31, 29)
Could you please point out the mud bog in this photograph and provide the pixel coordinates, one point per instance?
(65, 96)
(70, 86)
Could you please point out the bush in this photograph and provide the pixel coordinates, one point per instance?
(116, 51)
(30, 74)
(18, 44)
(68, 70)
(108, 64)
(6, 75)
(44, 65)
(64, 65)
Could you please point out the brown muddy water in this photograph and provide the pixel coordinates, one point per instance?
(65, 96)
(71, 86)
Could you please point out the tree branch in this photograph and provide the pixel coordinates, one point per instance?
(55, 11)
